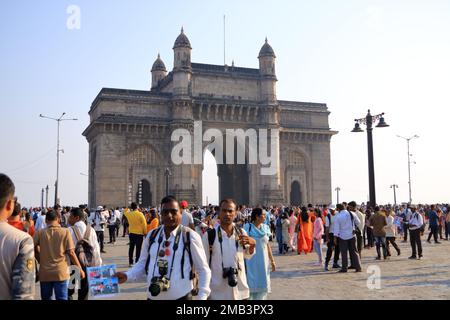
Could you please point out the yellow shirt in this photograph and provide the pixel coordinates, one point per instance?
(137, 223)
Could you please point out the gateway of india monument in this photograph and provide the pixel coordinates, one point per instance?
(130, 131)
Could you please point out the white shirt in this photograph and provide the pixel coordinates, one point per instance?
(220, 290)
(112, 218)
(40, 223)
(344, 227)
(361, 216)
(81, 226)
(416, 221)
(408, 214)
(329, 225)
(118, 214)
(390, 228)
(186, 218)
(98, 218)
(179, 287)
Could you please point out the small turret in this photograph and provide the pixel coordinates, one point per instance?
(267, 71)
(159, 71)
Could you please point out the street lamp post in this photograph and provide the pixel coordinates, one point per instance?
(337, 194)
(394, 186)
(368, 121)
(167, 173)
(46, 196)
(409, 163)
(58, 120)
(42, 198)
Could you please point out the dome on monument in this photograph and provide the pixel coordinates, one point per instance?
(158, 65)
(266, 50)
(182, 41)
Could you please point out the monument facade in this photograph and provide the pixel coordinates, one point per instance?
(130, 131)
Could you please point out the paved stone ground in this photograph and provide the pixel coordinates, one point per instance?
(297, 277)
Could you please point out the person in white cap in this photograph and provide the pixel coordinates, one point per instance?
(98, 220)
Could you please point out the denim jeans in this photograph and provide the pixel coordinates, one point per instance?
(318, 249)
(59, 287)
(258, 296)
(280, 242)
(381, 242)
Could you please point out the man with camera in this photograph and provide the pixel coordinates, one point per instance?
(172, 259)
(97, 220)
(226, 246)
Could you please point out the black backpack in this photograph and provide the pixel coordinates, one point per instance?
(83, 248)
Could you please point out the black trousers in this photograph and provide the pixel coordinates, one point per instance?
(349, 246)
(135, 241)
(330, 248)
(112, 233)
(434, 233)
(416, 243)
(447, 229)
(359, 243)
(391, 240)
(117, 230)
(405, 232)
(364, 236)
(83, 292)
(369, 237)
(101, 239)
(125, 229)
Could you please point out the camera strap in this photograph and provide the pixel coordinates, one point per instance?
(157, 250)
(174, 248)
(219, 235)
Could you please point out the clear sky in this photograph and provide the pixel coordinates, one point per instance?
(389, 56)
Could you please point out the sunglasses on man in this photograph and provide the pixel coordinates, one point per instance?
(165, 212)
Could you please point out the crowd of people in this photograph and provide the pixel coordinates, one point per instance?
(208, 252)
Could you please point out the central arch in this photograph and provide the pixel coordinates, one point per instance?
(233, 179)
(296, 197)
(210, 179)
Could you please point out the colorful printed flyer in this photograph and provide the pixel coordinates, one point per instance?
(102, 284)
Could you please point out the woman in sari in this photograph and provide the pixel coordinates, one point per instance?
(262, 263)
(292, 225)
(305, 232)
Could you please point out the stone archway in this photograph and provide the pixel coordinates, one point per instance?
(295, 196)
(234, 179)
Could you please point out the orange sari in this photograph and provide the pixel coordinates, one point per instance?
(305, 236)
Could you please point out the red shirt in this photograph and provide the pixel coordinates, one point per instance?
(16, 224)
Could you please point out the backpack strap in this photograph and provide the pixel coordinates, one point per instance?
(187, 247)
(211, 239)
(87, 233)
(77, 233)
(151, 240)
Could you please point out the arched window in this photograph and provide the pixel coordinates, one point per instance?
(143, 155)
(295, 159)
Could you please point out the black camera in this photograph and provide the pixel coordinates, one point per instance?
(161, 283)
(231, 274)
(158, 284)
